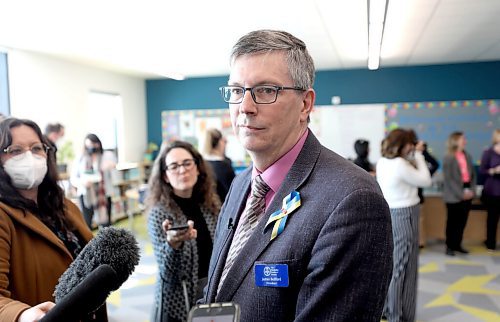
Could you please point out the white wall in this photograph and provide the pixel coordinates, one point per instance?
(339, 126)
(47, 90)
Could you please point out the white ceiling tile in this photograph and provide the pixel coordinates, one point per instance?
(194, 37)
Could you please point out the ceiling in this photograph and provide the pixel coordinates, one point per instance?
(188, 38)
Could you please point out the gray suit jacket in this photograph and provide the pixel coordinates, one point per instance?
(337, 245)
(453, 187)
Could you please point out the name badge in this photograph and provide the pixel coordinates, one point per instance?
(271, 275)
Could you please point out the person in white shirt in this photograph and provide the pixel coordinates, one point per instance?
(400, 171)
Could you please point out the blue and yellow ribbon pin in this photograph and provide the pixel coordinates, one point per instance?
(279, 217)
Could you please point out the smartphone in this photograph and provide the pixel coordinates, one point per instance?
(215, 312)
(179, 227)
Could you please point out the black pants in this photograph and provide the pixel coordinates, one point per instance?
(455, 223)
(493, 208)
(88, 213)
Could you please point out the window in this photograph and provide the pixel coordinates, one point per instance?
(4, 86)
(105, 115)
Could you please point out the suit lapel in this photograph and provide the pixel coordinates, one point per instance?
(235, 208)
(260, 240)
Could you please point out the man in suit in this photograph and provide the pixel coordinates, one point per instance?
(331, 260)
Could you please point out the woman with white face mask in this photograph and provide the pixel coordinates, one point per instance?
(91, 176)
(41, 231)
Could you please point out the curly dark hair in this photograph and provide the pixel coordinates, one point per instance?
(50, 206)
(160, 191)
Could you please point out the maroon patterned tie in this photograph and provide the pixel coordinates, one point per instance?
(255, 206)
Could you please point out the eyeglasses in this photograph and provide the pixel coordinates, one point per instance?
(37, 148)
(176, 167)
(262, 94)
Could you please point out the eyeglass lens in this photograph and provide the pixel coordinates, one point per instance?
(37, 148)
(260, 94)
(175, 167)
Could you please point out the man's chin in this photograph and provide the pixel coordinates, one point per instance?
(252, 145)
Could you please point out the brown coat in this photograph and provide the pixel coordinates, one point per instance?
(32, 258)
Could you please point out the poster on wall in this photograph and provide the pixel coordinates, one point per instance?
(435, 121)
(191, 126)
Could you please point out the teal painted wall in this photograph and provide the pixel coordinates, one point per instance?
(398, 84)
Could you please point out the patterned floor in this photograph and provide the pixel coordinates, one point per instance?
(463, 288)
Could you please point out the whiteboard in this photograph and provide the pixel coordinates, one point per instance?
(339, 126)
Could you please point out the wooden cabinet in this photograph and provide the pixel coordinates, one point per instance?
(433, 222)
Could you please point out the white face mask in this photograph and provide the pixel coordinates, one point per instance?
(26, 170)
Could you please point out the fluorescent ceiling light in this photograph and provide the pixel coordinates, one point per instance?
(377, 11)
(373, 56)
(376, 15)
(375, 32)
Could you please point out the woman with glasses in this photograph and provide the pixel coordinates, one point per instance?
(182, 215)
(41, 231)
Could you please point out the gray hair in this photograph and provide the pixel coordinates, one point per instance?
(300, 63)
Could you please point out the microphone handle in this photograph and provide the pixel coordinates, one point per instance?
(86, 297)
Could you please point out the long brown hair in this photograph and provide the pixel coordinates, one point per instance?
(394, 143)
(160, 191)
(50, 200)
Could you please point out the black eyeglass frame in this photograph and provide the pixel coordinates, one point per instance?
(251, 89)
(175, 167)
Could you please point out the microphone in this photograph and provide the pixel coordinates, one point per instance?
(113, 247)
(230, 223)
(86, 297)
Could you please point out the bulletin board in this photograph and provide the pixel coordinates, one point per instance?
(435, 121)
(191, 126)
(339, 126)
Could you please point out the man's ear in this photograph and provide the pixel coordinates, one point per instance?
(307, 104)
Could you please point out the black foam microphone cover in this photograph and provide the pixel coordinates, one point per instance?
(115, 247)
(86, 297)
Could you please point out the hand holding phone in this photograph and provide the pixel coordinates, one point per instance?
(177, 234)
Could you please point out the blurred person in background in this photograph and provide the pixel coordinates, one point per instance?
(459, 185)
(54, 132)
(362, 149)
(91, 176)
(490, 167)
(181, 191)
(41, 231)
(433, 165)
(214, 153)
(400, 171)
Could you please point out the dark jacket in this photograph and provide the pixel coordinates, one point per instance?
(337, 245)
